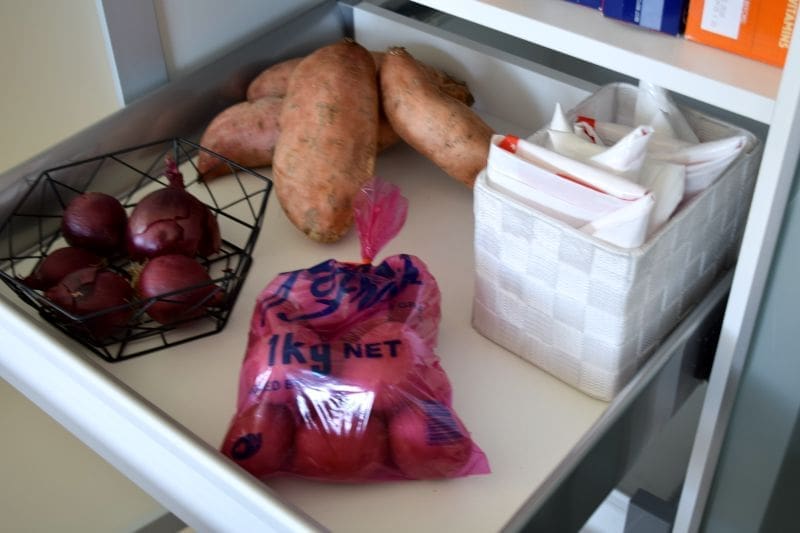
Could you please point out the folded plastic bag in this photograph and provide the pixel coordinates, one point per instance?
(674, 139)
(629, 156)
(704, 162)
(340, 380)
(625, 158)
(586, 197)
(655, 107)
(611, 132)
(667, 182)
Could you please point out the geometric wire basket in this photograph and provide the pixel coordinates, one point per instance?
(32, 231)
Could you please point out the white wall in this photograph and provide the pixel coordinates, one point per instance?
(57, 77)
(194, 32)
(51, 481)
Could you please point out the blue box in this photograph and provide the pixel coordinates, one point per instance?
(588, 3)
(667, 16)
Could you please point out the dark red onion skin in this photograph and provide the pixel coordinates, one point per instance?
(58, 263)
(174, 272)
(172, 221)
(89, 290)
(95, 221)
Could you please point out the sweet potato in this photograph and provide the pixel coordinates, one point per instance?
(386, 135)
(328, 141)
(273, 80)
(440, 127)
(245, 133)
(447, 84)
(250, 140)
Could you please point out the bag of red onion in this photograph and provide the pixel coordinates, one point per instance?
(340, 380)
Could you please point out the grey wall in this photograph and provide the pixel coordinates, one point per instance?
(751, 488)
(194, 32)
(160, 40)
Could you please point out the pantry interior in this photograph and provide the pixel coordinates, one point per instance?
(762, 98)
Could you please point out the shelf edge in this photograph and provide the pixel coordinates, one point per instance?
(179, 470)
(696, 82)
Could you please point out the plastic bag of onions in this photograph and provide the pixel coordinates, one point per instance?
(341, 380)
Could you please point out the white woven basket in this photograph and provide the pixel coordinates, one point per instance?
(586, 311)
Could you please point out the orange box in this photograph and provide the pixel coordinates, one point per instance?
(758, 29)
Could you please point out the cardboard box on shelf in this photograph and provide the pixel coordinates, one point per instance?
(666, 16)
(758, 29)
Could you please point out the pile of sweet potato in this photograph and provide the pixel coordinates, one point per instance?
(321, 120)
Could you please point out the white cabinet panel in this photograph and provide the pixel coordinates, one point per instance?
(58, 76)
(194, 32)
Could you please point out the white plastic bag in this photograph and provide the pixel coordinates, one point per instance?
(583, 196)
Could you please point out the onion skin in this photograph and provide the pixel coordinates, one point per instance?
(168, 273)
(95, 221)
(89, 290)
(58, 263)
(172, 221)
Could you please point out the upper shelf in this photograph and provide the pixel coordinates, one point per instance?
(725, 80)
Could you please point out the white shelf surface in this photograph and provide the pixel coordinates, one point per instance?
(737, 84)
(160, 417)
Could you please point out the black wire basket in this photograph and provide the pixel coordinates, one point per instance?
(33, 230)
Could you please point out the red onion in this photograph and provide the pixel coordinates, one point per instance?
(172, 221)
(428, 441)
(96, 221)
(90, 290)
(260, 438)
(58, 264)
(169, 273)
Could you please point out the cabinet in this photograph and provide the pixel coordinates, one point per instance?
(743, 87)
(159, 418)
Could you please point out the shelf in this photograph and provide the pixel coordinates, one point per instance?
(160, 418)
(737, 84)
